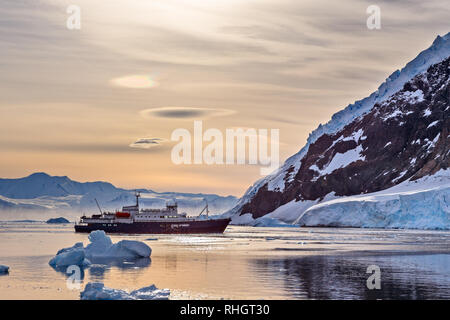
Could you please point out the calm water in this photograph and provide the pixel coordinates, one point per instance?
(243, 263)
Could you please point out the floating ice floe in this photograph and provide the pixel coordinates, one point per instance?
(100, 247)
(4, 269)
(271, 222)
(98, 291)
(247, 219)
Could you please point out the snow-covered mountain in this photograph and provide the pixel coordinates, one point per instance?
(41, 184)
(398, 133)
(42, 192)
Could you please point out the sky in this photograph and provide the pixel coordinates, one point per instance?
(101, 102)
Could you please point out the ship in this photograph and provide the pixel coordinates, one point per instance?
(133, 220)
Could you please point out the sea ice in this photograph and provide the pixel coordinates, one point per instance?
(98, 291)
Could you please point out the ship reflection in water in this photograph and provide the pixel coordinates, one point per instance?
(242, 263)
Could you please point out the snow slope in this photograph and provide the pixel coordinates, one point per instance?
(419, 204)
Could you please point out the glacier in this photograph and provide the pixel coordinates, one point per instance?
(98, 291)
(418, 204)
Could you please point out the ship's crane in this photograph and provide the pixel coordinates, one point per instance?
(98, 206)
(205, 208)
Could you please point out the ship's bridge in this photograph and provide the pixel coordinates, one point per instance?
(131, 209)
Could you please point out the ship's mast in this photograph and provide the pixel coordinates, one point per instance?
(137, 195)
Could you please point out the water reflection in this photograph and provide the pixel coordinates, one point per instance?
(344, 277)
(69, 271)
(244, 263)
(101, 266)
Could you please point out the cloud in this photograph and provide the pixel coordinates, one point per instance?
(147, 143)
(135, 81)
(185, 112)
(91, 148)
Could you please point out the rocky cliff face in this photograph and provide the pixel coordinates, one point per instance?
(405, 136)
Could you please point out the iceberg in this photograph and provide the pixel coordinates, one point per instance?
(70, 256)
(57, 220)
(4, 269)
(100, 247)
(98, 291)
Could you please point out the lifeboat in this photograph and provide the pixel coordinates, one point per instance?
(122, 214)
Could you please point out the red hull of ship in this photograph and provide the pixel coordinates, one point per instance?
(163, 227)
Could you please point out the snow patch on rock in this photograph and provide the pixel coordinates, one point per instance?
(427, 112)
(341, 160)
(413, 96)
(433, 124)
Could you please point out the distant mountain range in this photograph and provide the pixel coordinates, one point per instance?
(42, 192)
(398, 136)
